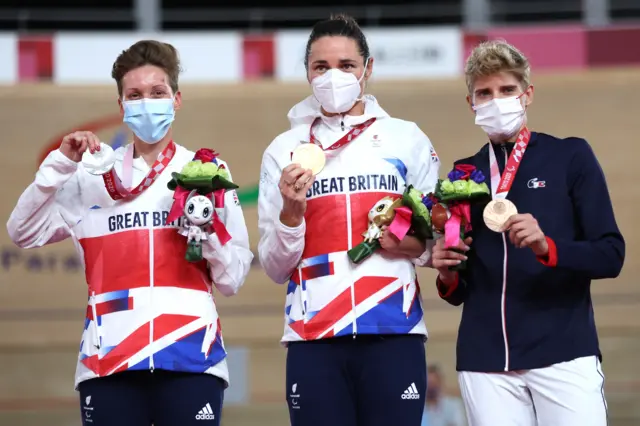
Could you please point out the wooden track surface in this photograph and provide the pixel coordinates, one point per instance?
(41, 313)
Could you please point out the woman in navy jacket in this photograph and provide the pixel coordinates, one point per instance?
(527, 347)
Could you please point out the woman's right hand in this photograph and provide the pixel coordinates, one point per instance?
(294, 184)
(442, 258)
(75, 144)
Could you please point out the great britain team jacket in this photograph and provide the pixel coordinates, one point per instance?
(148, 307)
(327, 295)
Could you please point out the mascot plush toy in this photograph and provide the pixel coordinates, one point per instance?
(198, 215)
(383, 213)
(198, 191)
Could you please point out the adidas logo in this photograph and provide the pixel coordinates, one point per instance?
(206, 413)
(411, 392)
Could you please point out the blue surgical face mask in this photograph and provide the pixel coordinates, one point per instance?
(149, 119)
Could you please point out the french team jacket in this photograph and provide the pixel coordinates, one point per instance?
(520, 312)
(148, 307)
(327, 295)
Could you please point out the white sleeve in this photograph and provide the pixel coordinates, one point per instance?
(229, 264)
(280, 247)
(50, 207)
(424, 177)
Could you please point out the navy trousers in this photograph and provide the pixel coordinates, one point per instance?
(161, 398)
(366, 381)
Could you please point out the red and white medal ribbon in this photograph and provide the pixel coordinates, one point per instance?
(500, 185)
(350, 136)
(119, 190)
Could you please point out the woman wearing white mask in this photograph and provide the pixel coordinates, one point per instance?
(527, 350)
(151, 350)
(355, 332)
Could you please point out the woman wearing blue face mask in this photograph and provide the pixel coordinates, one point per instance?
(355, 332)
(151, 350)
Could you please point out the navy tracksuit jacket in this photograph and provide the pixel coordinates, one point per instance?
(543, 305)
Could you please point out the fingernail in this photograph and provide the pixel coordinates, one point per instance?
(467, 248)
(465, 257)
(459, 262)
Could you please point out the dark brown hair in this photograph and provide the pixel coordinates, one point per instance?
(148, 52)
(338, 25)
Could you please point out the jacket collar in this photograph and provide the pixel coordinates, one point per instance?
(484, 151)
(305, 112)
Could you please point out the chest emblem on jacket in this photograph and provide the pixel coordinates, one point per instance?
(535, 183)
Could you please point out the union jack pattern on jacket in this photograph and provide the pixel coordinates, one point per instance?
(148, 307)
(327, 295)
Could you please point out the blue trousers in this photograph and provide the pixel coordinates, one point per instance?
(366, 381)
(161, 398)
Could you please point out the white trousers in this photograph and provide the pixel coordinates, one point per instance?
(565, 394)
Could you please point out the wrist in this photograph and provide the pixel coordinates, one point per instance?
(290, 220)
(541, 249)
(448, 278)
(70, 155)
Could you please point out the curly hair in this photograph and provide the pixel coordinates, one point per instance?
(148, 52)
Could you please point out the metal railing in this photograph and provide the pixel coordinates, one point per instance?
(251, 18)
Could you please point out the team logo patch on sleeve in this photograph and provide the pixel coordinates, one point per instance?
(434, 155)
(236, 200)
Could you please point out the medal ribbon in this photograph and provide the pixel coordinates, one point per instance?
(117, 189)
(500, 186)
(127, 167)
(353, 133)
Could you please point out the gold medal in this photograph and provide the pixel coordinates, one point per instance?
(497, 212)
(309, 156)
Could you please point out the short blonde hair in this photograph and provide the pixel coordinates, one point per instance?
(493, 57)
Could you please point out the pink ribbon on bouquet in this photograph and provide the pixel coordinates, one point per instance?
(180, 196)
(401, 222)
(458, 212)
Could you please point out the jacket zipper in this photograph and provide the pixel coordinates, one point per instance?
(209, 334)
(303, 291)
(503, 301)
(353, 289)
(97, 343)
(151, 280)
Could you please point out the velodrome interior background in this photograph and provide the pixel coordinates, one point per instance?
(43, 293)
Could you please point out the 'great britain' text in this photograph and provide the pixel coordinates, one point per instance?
(387, 183)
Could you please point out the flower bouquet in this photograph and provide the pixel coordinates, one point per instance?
(405, 215)
(202, 174)
(451, 204)
(199, 189)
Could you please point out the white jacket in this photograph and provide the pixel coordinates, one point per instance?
(328, 295)
(148, 306)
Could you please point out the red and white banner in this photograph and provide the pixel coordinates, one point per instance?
(233, 57)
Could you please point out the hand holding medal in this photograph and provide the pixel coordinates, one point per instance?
(310, 157)
(75, 144)
(307, 160)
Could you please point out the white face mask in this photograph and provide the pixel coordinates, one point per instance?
(336, 90)
(500, 117)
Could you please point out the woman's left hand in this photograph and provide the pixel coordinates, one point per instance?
(388, 241)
